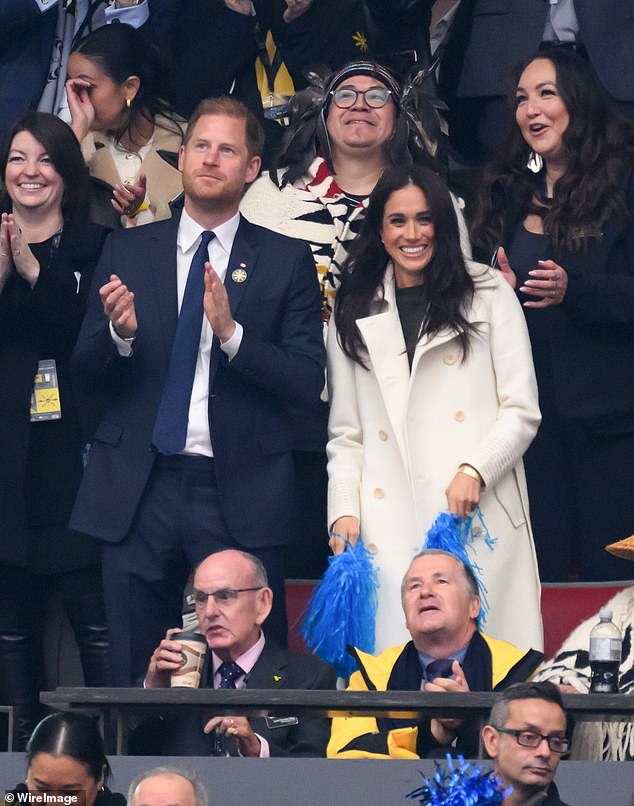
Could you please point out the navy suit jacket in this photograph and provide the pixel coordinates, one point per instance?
(505, 32)
(281, 360)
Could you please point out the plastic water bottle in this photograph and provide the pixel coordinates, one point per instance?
(605, 654)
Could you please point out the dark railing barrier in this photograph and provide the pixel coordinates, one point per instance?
(119, 703)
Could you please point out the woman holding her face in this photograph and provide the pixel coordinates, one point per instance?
(560, 201)
(433, 403)
(128, 134)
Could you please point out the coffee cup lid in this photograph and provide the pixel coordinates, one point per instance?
(188, 636)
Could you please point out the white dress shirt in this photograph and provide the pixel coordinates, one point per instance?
(198, 440)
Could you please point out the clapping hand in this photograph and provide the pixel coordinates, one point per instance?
(549, 283)
(15, 251)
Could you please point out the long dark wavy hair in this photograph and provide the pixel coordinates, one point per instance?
(121, 51)
(63, 149)
(447, 286)
(599, 147)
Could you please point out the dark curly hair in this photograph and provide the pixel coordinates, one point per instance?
(599, 147)
(448, 286)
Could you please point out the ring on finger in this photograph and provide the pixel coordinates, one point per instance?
(233, 731)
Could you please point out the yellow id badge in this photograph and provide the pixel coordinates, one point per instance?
(45, 402)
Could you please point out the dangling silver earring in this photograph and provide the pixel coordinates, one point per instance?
(535, 162)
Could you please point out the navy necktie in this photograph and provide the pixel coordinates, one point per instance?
(229, 673)
(439, 668)
(170, 426)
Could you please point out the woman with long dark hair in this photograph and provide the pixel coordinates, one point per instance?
(129, 135)
(48, 250)
(560, 201)
(66, 756)
(433, 403)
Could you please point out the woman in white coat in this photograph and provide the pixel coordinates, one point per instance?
(433, 403)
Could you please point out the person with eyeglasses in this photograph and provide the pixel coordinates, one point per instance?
(233, 600)
(342, 137)
(526, 738)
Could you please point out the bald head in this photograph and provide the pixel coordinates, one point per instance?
(165, 786)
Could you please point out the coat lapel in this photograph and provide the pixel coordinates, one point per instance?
(162, 253)
(383, 337)
(271, 669)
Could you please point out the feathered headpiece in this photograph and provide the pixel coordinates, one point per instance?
(418, 129)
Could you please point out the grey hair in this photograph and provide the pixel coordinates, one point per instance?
(472, 582)
(200, 791)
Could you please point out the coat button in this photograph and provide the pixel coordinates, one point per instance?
(371, 547)
(379, 492)
(459, 416)
(383, 436)
(449, 359)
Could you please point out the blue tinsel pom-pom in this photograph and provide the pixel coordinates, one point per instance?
(453, 534)
(342, 609)
(462, 784)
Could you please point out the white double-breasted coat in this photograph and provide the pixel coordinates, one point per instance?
(397, 438)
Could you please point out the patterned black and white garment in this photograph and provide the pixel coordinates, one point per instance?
(606, 741)
(315, 210)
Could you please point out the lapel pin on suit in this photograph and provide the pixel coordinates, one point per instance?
(277, 677)
(239, 275)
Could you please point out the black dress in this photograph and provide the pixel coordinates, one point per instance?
(40, 470)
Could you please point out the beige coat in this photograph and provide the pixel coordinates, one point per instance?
(396, 440)
(164, 182)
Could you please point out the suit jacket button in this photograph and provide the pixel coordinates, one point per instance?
(379, 492)
(459, 416)
(383, 435)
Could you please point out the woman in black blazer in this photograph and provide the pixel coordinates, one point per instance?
(561, 202)
(48, 250)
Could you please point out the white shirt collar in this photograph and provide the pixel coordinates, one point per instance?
(189, 232)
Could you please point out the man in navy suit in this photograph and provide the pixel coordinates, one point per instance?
(193, 452)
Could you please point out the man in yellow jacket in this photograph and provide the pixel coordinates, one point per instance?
(447, 653)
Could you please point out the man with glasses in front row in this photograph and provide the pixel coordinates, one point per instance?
(233, 599)
(526, 738)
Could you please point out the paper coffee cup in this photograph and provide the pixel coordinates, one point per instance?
(194, 649)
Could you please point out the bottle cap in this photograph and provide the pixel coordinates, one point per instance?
(605, 614)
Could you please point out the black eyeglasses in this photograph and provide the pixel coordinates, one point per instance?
(375, 97)
(528, 738)
(223, 596)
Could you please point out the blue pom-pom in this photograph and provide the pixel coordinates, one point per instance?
(452, 533)
(342, 609)
(462, 784)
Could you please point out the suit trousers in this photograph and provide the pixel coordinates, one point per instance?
(178, 523)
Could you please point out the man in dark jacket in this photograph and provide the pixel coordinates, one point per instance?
(232, 602)
(526, 738)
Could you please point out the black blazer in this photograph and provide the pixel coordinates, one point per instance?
(182, 734)
(43, 323)
(281, 359)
